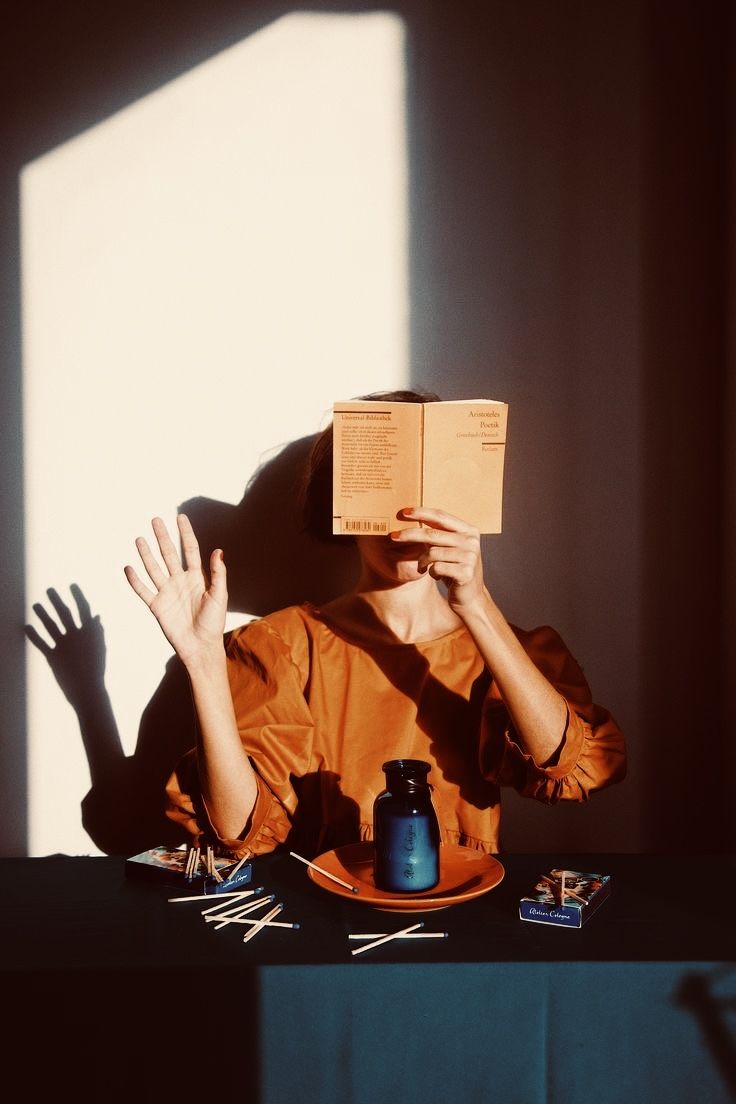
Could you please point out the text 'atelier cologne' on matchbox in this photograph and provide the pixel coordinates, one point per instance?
(566, 898)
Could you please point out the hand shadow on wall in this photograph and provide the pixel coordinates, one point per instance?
(271, 563)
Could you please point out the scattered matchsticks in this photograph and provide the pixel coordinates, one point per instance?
(225, 918)
(386, 938)
(262, 923)
(249, 920)
(406, 935)
(236, 907)
(231, 906)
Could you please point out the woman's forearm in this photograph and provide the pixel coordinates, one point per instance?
(538, 711)
(227, 778)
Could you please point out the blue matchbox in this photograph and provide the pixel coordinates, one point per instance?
(168, 865)
(584, 894)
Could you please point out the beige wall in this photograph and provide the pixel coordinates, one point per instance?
(570, 223)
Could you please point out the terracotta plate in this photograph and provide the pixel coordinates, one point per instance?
(464, 873)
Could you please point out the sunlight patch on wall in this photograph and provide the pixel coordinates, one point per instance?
(203, 274)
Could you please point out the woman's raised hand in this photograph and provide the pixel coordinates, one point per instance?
(452, 554)
(190, 610)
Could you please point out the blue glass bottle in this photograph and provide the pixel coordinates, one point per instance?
(406, 832)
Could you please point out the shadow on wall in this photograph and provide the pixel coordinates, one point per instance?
(710, 997)
(271, 563)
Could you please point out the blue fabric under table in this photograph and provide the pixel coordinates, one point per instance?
(518, 1033)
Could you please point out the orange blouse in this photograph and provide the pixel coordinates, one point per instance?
(320, 712)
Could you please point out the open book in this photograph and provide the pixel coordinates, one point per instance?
(387, 455)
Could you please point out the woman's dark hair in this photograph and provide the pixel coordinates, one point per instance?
(317, 488)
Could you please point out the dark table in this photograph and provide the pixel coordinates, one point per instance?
(116, 993)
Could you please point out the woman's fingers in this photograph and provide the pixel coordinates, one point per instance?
(450, 571)
(218, 575)
(437, 519)
(188, 578)
(434, 527)
(167, 546)
(151, 564)
(424, 535)
(189, 543)
(139, 587)
(438, 554)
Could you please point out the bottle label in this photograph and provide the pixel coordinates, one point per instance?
(407, 856)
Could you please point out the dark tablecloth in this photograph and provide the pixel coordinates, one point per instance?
(114, 992)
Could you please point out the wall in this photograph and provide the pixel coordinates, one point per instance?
(568, 253)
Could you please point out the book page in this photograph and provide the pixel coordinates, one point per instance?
(464, 453)
(377, 465)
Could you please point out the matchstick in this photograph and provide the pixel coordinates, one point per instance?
(208, 896)
(191, 863)
(238, 911)
(385, 938)
(250, 920)
(194, 863)
(568, 892)
(236, 868)
(326, 873)
(211, 867)
(409, 935)
(229, 906)
(260, 924)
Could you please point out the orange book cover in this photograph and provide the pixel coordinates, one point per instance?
(387, 455)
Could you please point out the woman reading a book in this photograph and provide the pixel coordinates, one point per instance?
(297, 711)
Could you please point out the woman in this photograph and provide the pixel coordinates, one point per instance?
(298, 711)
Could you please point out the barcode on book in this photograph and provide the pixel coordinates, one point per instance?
(365, 525)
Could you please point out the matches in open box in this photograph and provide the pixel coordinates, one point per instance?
(566, 898)
(197, 866)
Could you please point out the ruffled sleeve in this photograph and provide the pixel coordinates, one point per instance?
(267, 679)
(592, 752)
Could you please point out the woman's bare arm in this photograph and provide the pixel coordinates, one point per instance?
(191, 613)
(453, 555)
